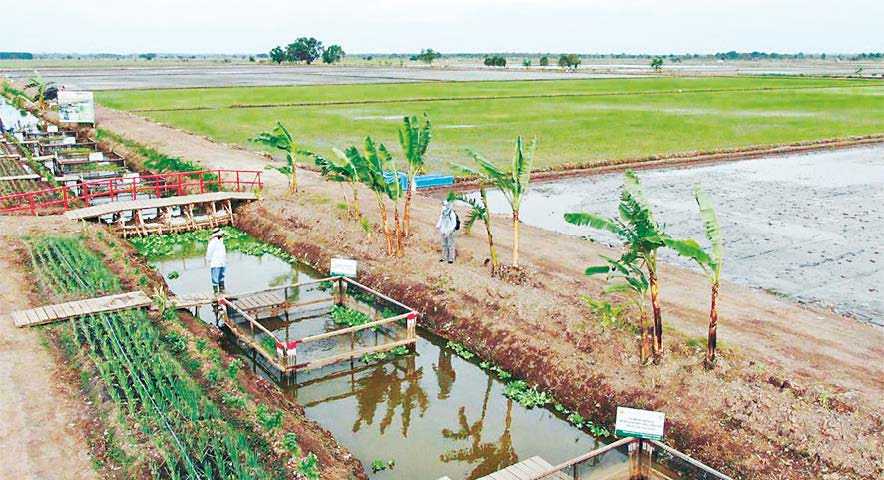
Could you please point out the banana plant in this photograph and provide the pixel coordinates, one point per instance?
(625, 276)
(512, 183)
(342, 172)
(479, 211)
(40, 86)
(370, 167)
(641, 237)
(710, 261)
(280, 139)
(414, 140)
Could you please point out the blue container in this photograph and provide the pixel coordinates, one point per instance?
(421, 181)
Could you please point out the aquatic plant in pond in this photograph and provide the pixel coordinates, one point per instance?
(235, 240)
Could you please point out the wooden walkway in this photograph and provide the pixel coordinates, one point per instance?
(77, 308)
(526, 470)
(109, 208)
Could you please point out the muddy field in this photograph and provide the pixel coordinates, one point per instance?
(805, 226)
(100, 78)
(107, 76)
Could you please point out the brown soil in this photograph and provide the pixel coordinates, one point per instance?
(798, 393)
(43, 420)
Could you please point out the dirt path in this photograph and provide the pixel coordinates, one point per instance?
(799, 393)
(39, 436)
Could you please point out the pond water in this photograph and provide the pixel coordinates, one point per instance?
(432, 413)
(809, 226)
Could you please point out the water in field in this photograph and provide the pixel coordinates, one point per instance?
(809, 226)
(432, 413)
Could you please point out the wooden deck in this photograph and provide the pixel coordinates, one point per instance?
(155, 203)
(77, 308)
(526, 470)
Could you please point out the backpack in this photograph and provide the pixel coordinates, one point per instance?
(456, 222)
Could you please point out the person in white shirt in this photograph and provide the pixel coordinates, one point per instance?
(216, 257)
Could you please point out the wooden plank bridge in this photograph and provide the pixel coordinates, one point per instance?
(158, 215)
(77, 308)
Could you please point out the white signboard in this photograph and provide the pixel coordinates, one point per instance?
(76, 107)
(96, 156)
(68, 140)
(632, 422)
(52, 129)
(344, 267)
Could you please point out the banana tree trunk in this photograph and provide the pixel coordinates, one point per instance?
(399, 232)
(515, 238)
(293, 179)
(356, 210)
(495, 263)
(406, 215)
(713, 327)
(644, 331)
(382, 208)
(655, 306)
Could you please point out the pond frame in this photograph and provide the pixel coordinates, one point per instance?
(286, 358)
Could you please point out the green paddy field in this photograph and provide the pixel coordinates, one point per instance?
(576, 122)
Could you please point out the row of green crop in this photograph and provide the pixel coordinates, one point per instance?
(142, 377)
(526, 395)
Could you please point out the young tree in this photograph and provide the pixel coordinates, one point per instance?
(332, 54)
(428, 55)
(280, 139)
(277, 55)
(304, 49)
(414, 140)
(641, 236)
(512, 184)
(710, 261)
(657, 64)
(544, 61)
(526, 62)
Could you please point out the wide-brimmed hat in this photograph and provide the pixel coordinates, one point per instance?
(217, 232)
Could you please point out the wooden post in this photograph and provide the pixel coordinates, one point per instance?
(635, 460)
(238, 189)
(64, 194)
(180, 184)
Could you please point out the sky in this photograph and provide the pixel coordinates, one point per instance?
(450, 26)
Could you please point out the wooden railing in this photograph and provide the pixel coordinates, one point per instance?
(81, 194)
(286, 358)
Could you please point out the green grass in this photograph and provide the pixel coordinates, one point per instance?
(576, 121)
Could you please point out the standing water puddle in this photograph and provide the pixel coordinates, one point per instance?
(809, 225)
(434, 414)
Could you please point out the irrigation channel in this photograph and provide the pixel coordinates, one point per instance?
(432, 413)
(808, 226)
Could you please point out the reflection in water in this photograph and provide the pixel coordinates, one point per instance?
(433, 413)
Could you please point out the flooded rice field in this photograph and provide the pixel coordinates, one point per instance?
(431, 413)
(182, 76)
(807, 226)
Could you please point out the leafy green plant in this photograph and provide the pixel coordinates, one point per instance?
(414, 139)
(479, 210)
(528, 397)
(177, 343)
(233, 368)
(512, 183)
(641, 237)
(460, 350)
(269, 420)
(290, 443)
(280, 139)
(379, 465)
(309, 467)
(346, 316)
(234, 401)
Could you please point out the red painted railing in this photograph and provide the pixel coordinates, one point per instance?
(82, 194)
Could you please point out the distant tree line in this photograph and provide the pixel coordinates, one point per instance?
(16, 56)
(307, 50)
(495, 61)
(427, 56)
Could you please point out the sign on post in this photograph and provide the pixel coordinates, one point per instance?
(96, 156)
(632, 422)
(76, 107)
(344, 267)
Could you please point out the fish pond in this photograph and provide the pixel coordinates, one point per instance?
(439, 411)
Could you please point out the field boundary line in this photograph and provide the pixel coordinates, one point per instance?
(493, 97)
